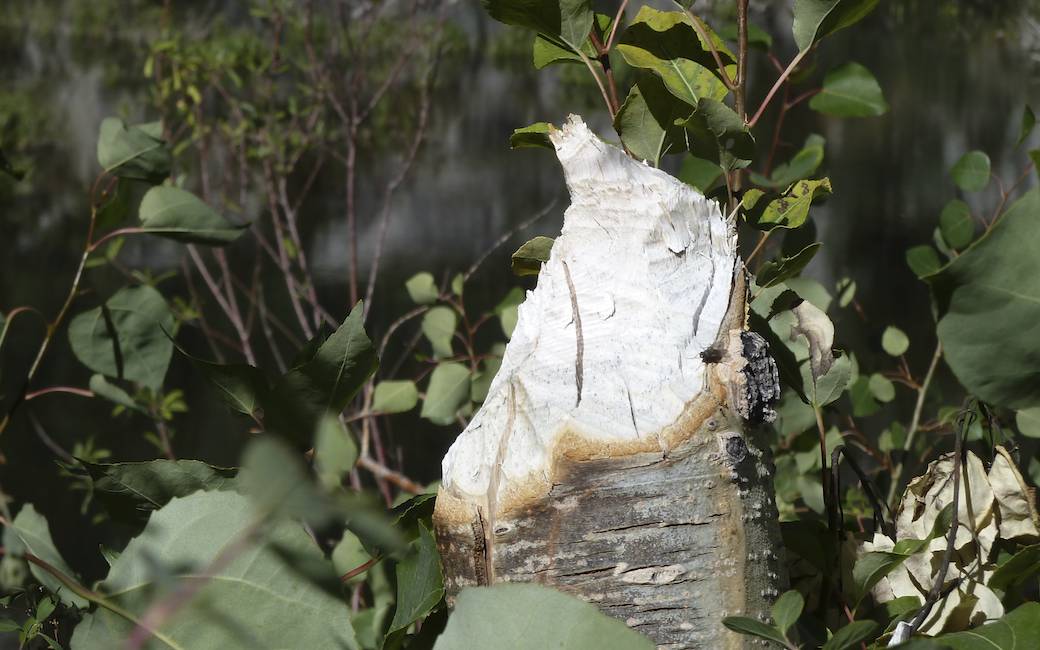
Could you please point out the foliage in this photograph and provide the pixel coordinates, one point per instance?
(317, 538)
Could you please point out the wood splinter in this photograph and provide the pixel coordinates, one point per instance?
(624, 470)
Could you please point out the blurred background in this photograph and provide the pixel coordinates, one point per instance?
(427, 182)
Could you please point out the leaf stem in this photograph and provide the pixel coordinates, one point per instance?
(52, 326)
(776, 86)
(915, 424)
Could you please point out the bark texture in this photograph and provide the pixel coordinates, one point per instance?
(612, 458)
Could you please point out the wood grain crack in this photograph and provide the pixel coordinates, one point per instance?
(580, 353)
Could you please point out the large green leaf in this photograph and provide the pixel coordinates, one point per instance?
(239, 385)
(1019, 630)
(447, 391)
(327, 376)
(523, 616)
(278, 483)
(666, 43)
(29, 533)
(736, 145)
(130, 491)
(815, 19)
(669, 37)
(565, 21)
(126, 337)
(419, 582)
(133, 151)
(787, 608)
(988, 301)
(178, 214)
(254, 601)
(647, 120)
(850, 91)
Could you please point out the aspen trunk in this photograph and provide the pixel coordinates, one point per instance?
(613, 457)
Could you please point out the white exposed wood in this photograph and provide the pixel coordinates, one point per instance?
(610, 458)
(608, 345)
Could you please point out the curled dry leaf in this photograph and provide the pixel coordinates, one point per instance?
(993, 505)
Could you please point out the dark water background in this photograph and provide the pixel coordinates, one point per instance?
(956, 75)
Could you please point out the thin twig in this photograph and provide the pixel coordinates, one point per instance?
(915, 421)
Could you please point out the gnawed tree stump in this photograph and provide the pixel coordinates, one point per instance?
(611, 458)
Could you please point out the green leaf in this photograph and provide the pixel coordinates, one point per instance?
(335, 452)
(850, 91)
(349, 554)
(395, 396)
(971, 171)
(250, 601)
(528, 259)
(754, 627)
(447, 391)
(956, 224)
(666, 43)
(882, 388)
(801, 166)
(132, 151)
(736, 145)
(776, 271)
(277, 482)
(339, 368)
(894, 341)
(1018, 630)
(923, 260)
(535, 135)
(126, 337)
(566, 21)
(1028, 422)
(863, 402)
(699, 173)
(1017, 570)
(506, 310)
(29, 533)
(789, 210)
(131, 491)
(1028, 122)
(180, 215)
(422, 289)
(438, 325)
(815, 19)
(787, 608)
(532, 616)
(852, 635)
(988, 301)
(545, 52)
(102, 388)
(483, 377)
(830, 385)
(687, 80)
(647, 120)
(419, 583)
(239, 385)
